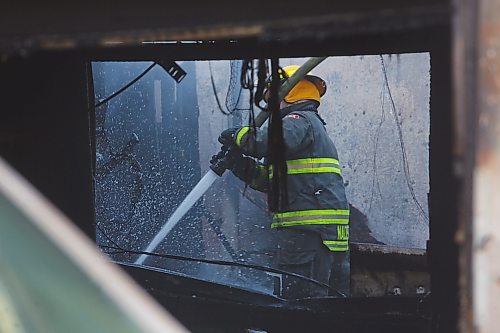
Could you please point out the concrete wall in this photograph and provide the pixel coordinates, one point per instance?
(221, 200)
(362, 121)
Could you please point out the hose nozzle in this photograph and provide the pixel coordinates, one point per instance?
(223, 160)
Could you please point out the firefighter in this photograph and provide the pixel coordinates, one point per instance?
(313, 231)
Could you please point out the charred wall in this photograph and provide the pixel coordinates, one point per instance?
(45, 132)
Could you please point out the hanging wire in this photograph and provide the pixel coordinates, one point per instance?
(375, 178)
(262, 80)
(278, 196)
(406, 167)
(232, 101)
(247, 83)
(231, 105)
(125, 87)
(225, 112)
(98, 226)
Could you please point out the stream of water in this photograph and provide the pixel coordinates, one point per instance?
(193, 196)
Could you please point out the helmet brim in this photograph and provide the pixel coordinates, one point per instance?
(318, 82)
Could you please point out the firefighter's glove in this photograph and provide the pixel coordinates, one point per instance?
(234, 157)
(228, 137)
(242, 166)
(245, 168)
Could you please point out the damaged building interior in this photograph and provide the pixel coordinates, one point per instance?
(114, 113)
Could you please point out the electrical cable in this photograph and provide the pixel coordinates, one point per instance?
(215, 91)
(125, 87)
(247, 83)
(278, 192)
(375, 179)
(228, 110)
(406, 168)
(98, 226)
(222, 263)
(262, 76)
(233, 105)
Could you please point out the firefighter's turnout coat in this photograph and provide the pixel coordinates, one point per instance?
(316, 194)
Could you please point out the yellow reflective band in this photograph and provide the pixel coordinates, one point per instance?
(240, 134)
(311, 217)
(311, 165)
(335, 242)
(309, 222)
(309, 170)
(313, 170)
(312, 160)
(337, 246)
(301, 213)
(338, 249)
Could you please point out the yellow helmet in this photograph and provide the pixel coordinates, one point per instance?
(311, 87)
(316, 80)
